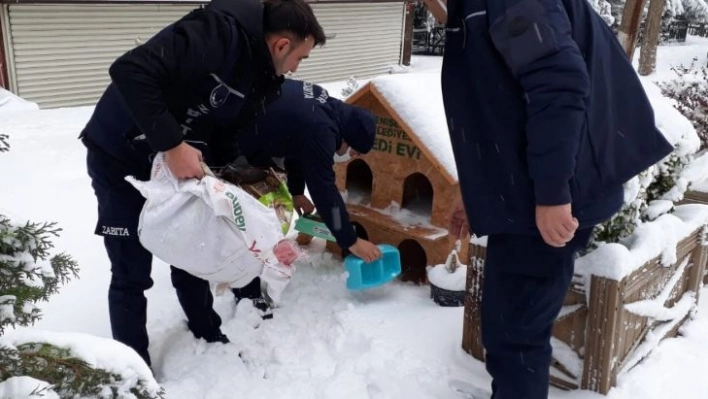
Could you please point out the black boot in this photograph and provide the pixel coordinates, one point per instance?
(253, 292)
(216, 337)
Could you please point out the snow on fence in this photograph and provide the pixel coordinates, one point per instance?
(615, 314)
(698, 197)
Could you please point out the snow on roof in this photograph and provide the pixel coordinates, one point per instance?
(417, 98)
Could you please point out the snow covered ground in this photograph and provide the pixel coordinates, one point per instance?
(325, 342)
(675, 54)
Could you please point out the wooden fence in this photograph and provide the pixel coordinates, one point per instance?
(604, 332)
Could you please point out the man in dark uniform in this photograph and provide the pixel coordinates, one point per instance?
(310, 130)
(548, 120)
(186, 93)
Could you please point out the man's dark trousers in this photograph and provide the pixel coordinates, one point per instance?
(119, 206)
(525, 283)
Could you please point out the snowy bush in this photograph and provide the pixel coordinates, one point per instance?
(652, 193)
(604, 8)
(689, 10)
(351, 87)
(29, 274)
(690, 92)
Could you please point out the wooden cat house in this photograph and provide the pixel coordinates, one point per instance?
(401, 192)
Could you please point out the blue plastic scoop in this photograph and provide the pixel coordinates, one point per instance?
(364, 275)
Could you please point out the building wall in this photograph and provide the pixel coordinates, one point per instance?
(59, 53)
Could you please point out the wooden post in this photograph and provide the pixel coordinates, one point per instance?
(438, 8)
(472, 325)
(699, 260)
(647, 55)
(408, 34)
(4, 80)
(629, 27)
(602, 334)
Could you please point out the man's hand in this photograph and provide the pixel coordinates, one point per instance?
(302, 205)
(184, 162)
(556, 223)
(458, 223)
(365, 250)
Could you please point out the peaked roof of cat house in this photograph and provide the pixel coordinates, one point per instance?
(415, 102)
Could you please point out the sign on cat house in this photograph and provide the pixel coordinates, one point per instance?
(401, 192)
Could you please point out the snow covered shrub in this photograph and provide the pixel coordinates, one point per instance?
(643, 194)
(690, 94)
(604, 8)
(68, 376)
(654, 191)
(30, 274)
(351, 87)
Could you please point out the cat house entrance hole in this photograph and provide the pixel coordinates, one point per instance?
(359, 182)
(418, 194)
(413, 261)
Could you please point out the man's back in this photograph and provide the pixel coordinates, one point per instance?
(282, 129)
(538, 94)
(188, 82)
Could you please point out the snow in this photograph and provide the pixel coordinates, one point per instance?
(654, 308)
(680, 310)
(479, 241)
(675, 54)
(651, 239)
(677, 129)
(26, 387)
(417, 99)
(99, 352)
(657, 208)
(673, 125)
(7, 307)
(10, 103)
(700, 186)
(566, 356)
(442, 278)
(325, 341)
(406, 217)
(696, 173)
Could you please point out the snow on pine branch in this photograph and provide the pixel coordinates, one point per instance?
(29, 275)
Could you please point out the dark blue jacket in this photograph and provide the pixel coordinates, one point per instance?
(198, 80)
(543, 108)
(306, 126)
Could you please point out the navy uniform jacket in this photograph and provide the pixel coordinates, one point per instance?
(306, 126)
(198, 80)
(543, 108)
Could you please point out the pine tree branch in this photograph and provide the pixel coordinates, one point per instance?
(4, 143)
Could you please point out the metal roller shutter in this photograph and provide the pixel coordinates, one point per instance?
(368, 41)
(59, 54)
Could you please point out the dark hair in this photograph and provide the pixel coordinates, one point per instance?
(295, 16)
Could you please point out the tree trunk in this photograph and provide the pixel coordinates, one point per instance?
(438, 8)
(647, 56)
(408, 34)
(4, 81)
(629, 27)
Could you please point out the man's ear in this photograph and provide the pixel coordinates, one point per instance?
(281, 45)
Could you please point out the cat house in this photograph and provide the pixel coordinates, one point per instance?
(401, 193)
